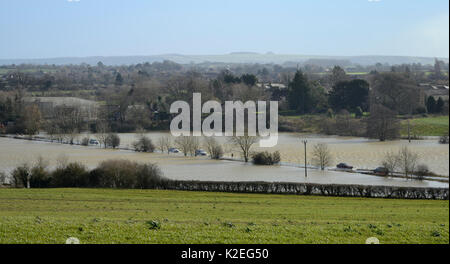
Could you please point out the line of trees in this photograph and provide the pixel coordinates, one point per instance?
(108, 174)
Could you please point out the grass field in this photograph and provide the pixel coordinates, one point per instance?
(124, 216)
(427, 126)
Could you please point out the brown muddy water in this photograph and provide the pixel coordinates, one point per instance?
(359, 152)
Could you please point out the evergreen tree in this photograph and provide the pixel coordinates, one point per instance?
(299, 95)
(431, 105)
(119, 79)
(349, 95)
(440, 105)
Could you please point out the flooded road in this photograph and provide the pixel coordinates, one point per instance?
(14, 152)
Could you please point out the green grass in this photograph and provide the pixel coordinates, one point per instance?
(125, 216)
(426, 126)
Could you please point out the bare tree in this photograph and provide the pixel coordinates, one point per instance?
(102, 133)
(382, 124)
(396, 91)
(408, 161)
(322, 156)
(244, 143)
(32, 120)
(213, 147)
(164, 144)
(187, 145)
(391, 162)
(194, 145)
(69, 121)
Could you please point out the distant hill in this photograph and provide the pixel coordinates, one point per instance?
(236, 57)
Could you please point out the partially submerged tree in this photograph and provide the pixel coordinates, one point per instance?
(244, 144)
(113, 140)
(407, 161)
(266, 158)
(390, 162)
(213, 147)
(144, 144)
(164, 144)
(322, 155)
(187, 144)
(102, 132)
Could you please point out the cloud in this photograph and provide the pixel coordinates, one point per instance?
(373, 1)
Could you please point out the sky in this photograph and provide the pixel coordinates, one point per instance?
(80, 28)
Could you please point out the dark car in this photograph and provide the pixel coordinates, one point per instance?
(200, 152)
(344, 166)
(174, 150)
(381, 171)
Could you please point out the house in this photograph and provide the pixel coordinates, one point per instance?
(269, 86)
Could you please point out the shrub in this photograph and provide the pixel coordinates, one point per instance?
(72, 175)
(85, 141)
(109, 174)
(126, 174)
(266, 158)
(290, 124)
(20, 176)
(148, 176)
(154, 225)
(444, 139)
(420, 110)
(40, 177)
(144, 144)
(112, 140)
(421, 171)
(117, 173)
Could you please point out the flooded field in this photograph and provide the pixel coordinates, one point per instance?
(359, 152)
(14, 152)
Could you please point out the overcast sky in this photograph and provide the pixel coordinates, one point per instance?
(63, 28)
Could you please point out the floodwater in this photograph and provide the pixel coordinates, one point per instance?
(361, 153)
(14, 152)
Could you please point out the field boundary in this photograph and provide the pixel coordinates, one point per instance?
(339, 190)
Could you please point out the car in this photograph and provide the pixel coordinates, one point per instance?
(200, 152)
(381, 171)
(344, 166)
(93, 142)
(174, 150)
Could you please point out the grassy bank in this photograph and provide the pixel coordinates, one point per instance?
(123, 216)
(420, 126)
(426, 126)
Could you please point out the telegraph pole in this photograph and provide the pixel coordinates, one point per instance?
(409, 131)
(306, 169)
